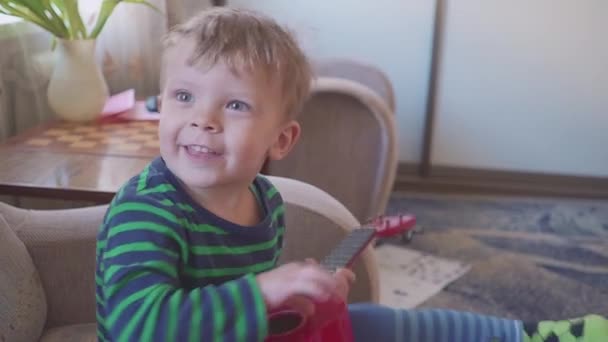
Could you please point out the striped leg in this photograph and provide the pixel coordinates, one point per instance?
(379, 323)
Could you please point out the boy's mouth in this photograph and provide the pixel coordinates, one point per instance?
(201, 150)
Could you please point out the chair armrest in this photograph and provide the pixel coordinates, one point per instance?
(315, 223)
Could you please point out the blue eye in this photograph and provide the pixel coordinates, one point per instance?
(238, 106)
(183, 96)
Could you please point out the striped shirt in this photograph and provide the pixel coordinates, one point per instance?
(169, 270)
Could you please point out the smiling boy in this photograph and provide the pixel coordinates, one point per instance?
(188, 248)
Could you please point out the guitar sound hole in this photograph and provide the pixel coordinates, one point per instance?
(284, 323)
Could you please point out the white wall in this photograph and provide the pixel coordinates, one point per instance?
(523, 84)
(524, 87)
(394, 35)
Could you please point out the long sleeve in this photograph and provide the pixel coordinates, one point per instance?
(141, 292)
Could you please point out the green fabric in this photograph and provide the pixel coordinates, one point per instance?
(590, 328)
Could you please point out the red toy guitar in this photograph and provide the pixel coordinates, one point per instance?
(331, 321)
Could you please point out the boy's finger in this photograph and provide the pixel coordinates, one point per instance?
(319, 284)
(347, 273)
(302, 305)
(344, 278)
(311, 261)
(315, 290)
(341, 292)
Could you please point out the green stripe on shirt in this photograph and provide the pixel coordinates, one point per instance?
(229, 250)
(114, 288)
(151, 321)
(280, 210)
(196, 318)
(181, 206)
(270, 194)
(135, 247)
(143, 177)
(156, 189)
(235, 293)
(153, 265)
(134, 321)
(146, 226)
(219, 314)
(162, 213)
(173, 319)
(260, 307)
(230, 271)
(120, 308)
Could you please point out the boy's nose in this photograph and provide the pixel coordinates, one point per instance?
(210, 122)
(208, 126)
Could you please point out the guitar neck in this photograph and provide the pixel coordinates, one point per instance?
(347, 250)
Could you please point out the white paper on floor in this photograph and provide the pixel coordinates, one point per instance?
(409, 277)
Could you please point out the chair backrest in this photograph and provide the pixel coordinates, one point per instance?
(347, 148)
(22, 300)
(357, 71)
(61, 242)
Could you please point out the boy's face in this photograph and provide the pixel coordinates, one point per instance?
(217, 127)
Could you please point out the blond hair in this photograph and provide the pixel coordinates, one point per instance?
(245, 39)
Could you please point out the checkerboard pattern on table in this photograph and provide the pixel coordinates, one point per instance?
(136, 138)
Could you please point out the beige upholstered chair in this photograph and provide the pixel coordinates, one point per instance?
(366, 74)
(47, 261)
(348, 146)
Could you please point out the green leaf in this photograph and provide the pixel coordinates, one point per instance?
(77, 28)
(56, 17)
(17, 10)
(107, 7)
(59, 6)
(46, 15)
(62, 17)
(37, 8)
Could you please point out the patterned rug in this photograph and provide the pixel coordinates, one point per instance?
(531, 258)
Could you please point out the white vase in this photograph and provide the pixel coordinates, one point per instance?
(77, 88)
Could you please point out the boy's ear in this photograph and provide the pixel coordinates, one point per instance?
(285, 142)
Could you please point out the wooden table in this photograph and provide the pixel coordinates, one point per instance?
(75, 161)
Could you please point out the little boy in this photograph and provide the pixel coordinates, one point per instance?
(188, 248)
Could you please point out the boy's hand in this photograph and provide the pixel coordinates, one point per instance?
(301, 284)
(345, 278)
